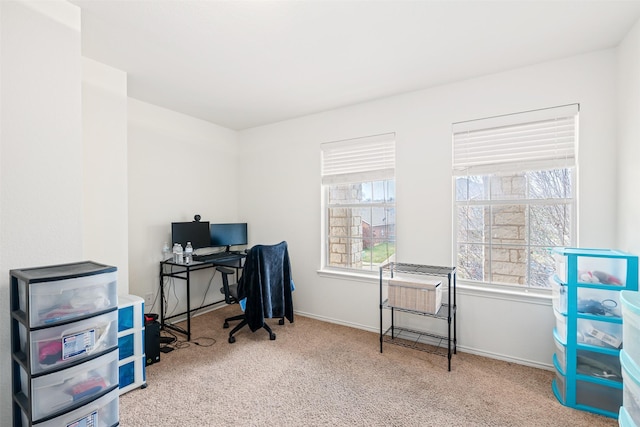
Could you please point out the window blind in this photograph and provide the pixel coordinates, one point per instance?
(360, 159)
(523, 141)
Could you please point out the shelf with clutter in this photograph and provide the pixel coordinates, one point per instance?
(418, 290)
(588, 333)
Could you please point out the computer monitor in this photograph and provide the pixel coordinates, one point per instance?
(232, 234)
(196, 232)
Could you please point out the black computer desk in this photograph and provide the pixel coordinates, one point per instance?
(169, 268)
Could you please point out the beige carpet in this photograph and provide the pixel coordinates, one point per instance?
(321, 374)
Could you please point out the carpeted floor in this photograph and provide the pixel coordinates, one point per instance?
(322, 374)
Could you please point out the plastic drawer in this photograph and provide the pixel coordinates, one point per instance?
(54, 347)
(130, 312)
(631, 324)
(597, 302)
(624, 419)
(127, 374)
(598, 396)
(559, 297)
(631, 386)
(589, 394)
(102, 412)
(592, 395)
(599, 333)
(589, 363)
(559, 387)
(561, 326)
(55, 301)
(126, 319)
(60, 390)
(561, 353)
(130, 345)
(132, 374)
(603, 266)
(599, 365)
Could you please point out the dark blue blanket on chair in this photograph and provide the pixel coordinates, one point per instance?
(266, 283)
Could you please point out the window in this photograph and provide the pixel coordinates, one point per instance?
(514, 195)
(359, 214)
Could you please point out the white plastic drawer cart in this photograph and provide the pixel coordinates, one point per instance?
(64, 345)
(419, 290)
(131, 358)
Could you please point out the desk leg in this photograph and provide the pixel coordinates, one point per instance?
(161, 296)
(188, 305)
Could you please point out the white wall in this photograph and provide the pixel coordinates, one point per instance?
(280, 184)
(628, 137)
(40, 149)
(104, 135)
(179, 166)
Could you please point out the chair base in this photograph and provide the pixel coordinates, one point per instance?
(230, 319)
(243, 323)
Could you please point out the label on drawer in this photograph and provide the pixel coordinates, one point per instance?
(78, 344)
(605, 338)
(90, 420)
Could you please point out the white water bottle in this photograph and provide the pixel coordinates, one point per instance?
(188, 253)
(177, 253)
(166, 252)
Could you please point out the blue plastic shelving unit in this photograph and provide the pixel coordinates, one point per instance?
(588, 331)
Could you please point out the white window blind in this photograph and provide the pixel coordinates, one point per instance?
(523, 141)
(359, 159)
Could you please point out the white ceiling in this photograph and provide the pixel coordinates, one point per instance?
(241, 64)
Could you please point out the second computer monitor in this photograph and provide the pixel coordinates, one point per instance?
(195, 232)
(230, 234)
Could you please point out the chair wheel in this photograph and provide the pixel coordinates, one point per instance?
(232, 340)
(226, 325)
(272, 337)
(281, 322)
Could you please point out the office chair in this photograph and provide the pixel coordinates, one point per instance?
(230, 297)
(263, 291)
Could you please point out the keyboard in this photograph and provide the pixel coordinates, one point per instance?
(219, 256)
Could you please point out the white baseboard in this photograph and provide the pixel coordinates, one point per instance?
(196, 312)
(525, 362)
(337, 322)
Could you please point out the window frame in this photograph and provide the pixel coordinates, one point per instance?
(354, 162)
(483, 167)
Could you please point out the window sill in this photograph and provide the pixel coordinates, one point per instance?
(369, 277)
(511, 293)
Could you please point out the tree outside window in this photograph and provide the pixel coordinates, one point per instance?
(507, 224)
